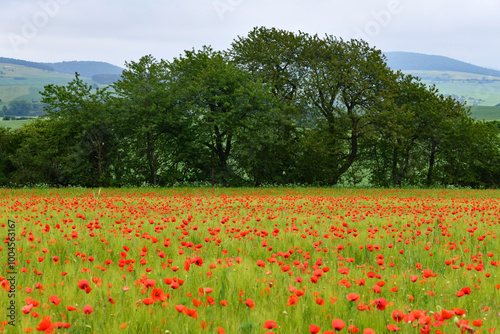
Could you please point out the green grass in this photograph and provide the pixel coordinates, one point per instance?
(454, 83)
(485, 113)
(305, 238)
(13, 124)
(9, 93)
(449, 75)
(35, 80)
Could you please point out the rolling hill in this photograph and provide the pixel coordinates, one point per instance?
(23, 80)
(84, 68)
(474, 85)
(411, 61)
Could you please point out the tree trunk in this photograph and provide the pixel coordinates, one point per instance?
(152, 158)
(432, 161)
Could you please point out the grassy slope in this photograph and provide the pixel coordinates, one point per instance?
(36, 79)
(486, 113)
(463, 84)
(14, 124)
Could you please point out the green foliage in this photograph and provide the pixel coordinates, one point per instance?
(226, 107)
(277, 108)
(84, 130)
(19, 108)
(148, 122)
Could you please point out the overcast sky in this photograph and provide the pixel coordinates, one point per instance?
(116, 31)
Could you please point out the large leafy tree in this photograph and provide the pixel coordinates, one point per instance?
(83, 118)
(273, 56)
(7, 148)
(347, 86)
(148, 123)
(331, 91)
(396, 155)
(224, 106)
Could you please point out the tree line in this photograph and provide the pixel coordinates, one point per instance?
(22, 108)
(277, 108)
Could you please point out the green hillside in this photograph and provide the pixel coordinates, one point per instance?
(475, 85)
(84, 68)
(474, 89)
(13, 124)
(484, 113)
(19, 82)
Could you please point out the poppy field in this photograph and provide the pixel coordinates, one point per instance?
(249, 261)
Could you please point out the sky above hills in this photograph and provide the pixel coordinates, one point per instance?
(116, 31)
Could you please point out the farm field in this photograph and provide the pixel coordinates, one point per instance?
(482, 88)
(13, 124)
(20, 82)
(486, 113)
(270, 260)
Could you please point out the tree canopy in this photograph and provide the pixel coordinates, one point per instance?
(277, 108)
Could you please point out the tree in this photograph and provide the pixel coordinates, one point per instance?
(224, 105)
(396, 156)
(20, 108)
(7, 148)
(149, 122)
(36, 158)
(347, 85)
(84, 118)
(330, 89)
(470, 154)
(273, 56)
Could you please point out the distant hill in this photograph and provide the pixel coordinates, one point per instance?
(422, 62)
(26, 63)
(474, 85)
(84, 68)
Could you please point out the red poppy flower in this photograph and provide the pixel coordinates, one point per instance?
(314, 329)
(338, 324)
(381, 304)
(445, 314)
(477, 323)
(46, 325)
(270, 324)
(54, 300)
(393, 328)
(250, 303)
(397, 315)
(27, 308)
(158, 295)
(148, 301)
(84, 285)
(87, 309)
(353, 297)
(352, 329)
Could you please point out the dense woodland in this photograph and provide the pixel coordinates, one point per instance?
(277, 108)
